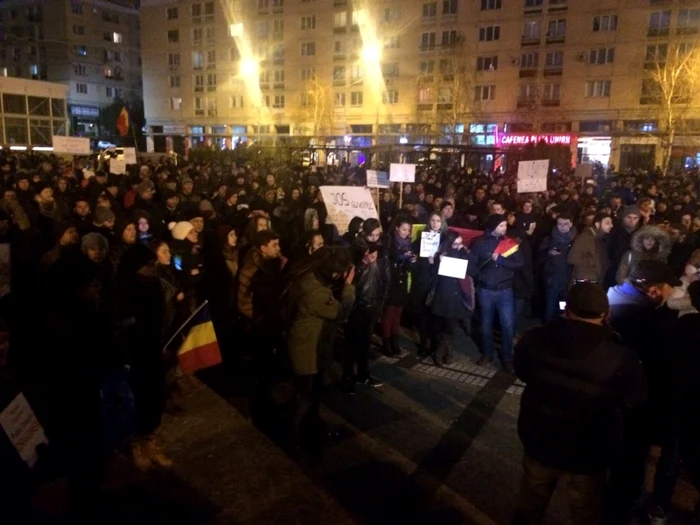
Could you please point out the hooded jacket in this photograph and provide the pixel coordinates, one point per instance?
(636, 253)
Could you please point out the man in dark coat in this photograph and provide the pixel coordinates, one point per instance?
(638, 313)
(578, 377)
(552, 259)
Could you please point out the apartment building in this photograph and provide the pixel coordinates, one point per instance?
(487, 73)
(92, 46)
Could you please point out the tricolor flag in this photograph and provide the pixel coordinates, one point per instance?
(200, 349)
(507, 246)
(123, 123)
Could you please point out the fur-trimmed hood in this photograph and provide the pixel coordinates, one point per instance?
(663, 241)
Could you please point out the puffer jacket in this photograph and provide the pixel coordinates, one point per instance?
(636, 253)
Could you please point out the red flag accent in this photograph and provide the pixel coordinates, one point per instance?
(467, 235)
(507, 246)
(123, 123)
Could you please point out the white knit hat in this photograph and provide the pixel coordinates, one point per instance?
(180, 230)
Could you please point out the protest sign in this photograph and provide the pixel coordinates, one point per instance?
(532, 175)
(70, 145)
(117, 166)
(429, 243)
(23, 429)
(345, 202)
(130, 156)
(377, 179)
(584, 171)
(402, 173)
(453, 267)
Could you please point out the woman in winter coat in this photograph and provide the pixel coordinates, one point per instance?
(401, 259)
(421, 283)
(449, 302)
(649, 242)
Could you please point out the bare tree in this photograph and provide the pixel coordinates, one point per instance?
(450, 84)
(672, 77)
(315, 111)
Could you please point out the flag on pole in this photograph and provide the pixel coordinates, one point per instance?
(123, 123)
(508, 246)
(200, 348)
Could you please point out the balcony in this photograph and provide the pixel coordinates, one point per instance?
(424, 106)
(556, 39)
(339, 82)
(526, 103)
(657, 31)
(557, 7)
(199, 89)
(553, 71)
(199, 112)
(211, 89)
(278, 85)
(688, 30)
(340, 30)
(339, 57)
(526, 41)
(211, 112)
(652, 65)
(427, 47)
(550, 103)
(444, 106)
(340, 3)
(528, 72)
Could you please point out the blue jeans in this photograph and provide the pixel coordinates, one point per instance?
(502, 301)
(554, 292)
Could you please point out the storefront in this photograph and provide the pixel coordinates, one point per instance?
(515, 141)
(594, 149)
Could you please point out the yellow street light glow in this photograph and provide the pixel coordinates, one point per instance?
(371, 53)
(236, 30)
(249, 68)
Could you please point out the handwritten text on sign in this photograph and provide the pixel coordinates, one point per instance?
(345, 202)
(532, 175)
(23, 429)
(402, 172)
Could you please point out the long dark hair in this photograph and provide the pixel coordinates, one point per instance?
(447, 241)
(324, 262)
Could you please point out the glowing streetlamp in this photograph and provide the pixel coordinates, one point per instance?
(371, 53)
(249, 68)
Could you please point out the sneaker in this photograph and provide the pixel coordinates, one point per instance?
(484, 361)
(347, 387)
(370, 381)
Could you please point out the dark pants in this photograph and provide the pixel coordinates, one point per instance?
(585, 494)
(490, 302)
(358, 332)
(307, 413)
(444, 330)
(554, 292)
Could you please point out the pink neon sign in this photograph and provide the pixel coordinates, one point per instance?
(508, 139)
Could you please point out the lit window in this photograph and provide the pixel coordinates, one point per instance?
(117, 38)
(81, 88)
(175, 103)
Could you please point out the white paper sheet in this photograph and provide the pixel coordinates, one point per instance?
(453, 267)
(429, 243)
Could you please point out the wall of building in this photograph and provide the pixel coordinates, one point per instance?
(413, 62)
(73, 42)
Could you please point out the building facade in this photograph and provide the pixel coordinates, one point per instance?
(92, 46)
(491, 73)
(31, 112)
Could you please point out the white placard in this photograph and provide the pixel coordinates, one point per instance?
(584, 171)
(402, 173)
(377, 179)
(429, 243)
(71, 145)
(345, 202)
(117, 166)
(130, 156)
(453, 267)
(23, 429)
(532, 175)
(150, 145)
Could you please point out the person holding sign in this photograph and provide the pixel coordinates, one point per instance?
(401, 259)
(495, 269)
(447, 300)
(421, 284)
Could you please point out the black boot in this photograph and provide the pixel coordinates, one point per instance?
(437, 355)
(387, 346)
(395, 347)
(447, 353)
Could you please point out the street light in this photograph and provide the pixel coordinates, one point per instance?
(249, 68)
(371, 53)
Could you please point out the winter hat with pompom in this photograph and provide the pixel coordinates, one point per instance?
(180, 230)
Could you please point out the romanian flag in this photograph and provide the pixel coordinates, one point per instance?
(200, 348)
(508, 246)
(123, 123)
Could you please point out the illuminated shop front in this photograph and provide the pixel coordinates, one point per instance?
(594, 149)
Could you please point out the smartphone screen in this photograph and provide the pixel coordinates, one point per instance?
(562, 305)
(177, 262)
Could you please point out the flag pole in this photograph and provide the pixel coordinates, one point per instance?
(182, 327)
(133, 134)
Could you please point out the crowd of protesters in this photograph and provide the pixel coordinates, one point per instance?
(105, 268)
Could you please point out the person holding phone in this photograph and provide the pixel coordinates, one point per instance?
(552, 261)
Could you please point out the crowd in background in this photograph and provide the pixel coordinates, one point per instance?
(101, 269)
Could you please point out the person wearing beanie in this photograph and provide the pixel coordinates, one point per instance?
(95, 247)
(579, 378)
(187, 194)
(180, 230)
(494, 274)
(171, 201)
(621, 239)
(67, 239)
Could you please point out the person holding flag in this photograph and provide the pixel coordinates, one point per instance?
(493, 260)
